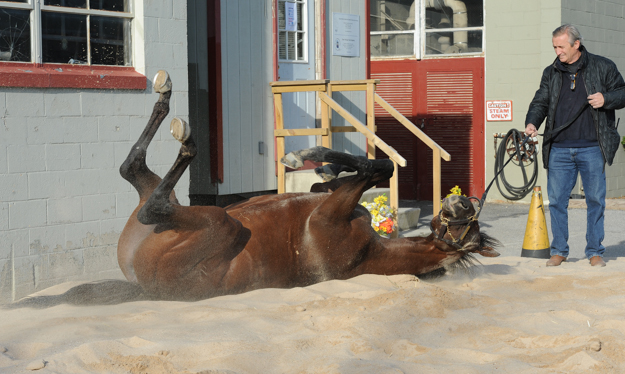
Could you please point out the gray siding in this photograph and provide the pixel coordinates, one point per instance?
(63, 204)
(348, 68)
(247, 70)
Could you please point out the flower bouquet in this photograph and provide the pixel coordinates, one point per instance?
(381, 216)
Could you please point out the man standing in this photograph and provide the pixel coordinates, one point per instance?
(578, 95)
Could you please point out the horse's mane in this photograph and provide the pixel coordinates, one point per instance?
(105, 292)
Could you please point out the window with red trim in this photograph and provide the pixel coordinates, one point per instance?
(67, 43)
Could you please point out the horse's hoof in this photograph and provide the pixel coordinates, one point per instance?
(326, 173)
(180, 130)
(292, 161)
(162, 83)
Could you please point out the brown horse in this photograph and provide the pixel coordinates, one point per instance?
(195, 252)
(177, 252)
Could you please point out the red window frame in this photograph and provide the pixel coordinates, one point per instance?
(19, 74)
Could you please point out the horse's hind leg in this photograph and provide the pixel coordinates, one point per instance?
(134, 168)
(159, 208)
(373, 171)
(338, 209)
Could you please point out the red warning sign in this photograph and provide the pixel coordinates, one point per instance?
(499, 110)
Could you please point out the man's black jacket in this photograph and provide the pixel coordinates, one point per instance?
(600, 75)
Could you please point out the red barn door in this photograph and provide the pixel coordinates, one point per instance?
(445, 98)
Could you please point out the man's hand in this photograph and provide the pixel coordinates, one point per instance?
(596, 100)
(530, 130)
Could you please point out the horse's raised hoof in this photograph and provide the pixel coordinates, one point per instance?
(292, 160)
(162, 83)
(180, 130)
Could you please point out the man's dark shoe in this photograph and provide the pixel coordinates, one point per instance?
(556, 260)
(597, 261)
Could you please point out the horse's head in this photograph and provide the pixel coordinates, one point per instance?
(456, 229)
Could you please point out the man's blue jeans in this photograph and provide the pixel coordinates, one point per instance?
(564, 164)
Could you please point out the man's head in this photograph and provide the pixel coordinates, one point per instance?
(566, 43)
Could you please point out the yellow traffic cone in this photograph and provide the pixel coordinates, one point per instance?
(536, 242)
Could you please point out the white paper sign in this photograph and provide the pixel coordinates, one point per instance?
(499, 110)
(346, 34)
(291, 16)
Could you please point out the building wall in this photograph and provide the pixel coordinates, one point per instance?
(63, 203)
(602, 27)
(247, 70)
(518, 48)
(348, 68)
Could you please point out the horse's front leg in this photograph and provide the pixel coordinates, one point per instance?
(371, 171)
(134, 169)
(159, 208)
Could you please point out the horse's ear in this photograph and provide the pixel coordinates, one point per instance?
(488, 252)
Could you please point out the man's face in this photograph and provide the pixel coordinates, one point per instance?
(566, 52)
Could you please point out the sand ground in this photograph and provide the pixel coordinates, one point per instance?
(511, 315)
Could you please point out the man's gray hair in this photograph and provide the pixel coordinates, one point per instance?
(571, 31)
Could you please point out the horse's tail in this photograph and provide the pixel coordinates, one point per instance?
(105, 292)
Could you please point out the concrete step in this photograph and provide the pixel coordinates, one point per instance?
(420, 231)
(302, 180)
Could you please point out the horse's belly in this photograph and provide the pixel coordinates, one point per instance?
(130, 240)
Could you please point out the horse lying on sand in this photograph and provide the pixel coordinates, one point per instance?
(172, 252)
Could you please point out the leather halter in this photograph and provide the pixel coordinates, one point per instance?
(446, 222)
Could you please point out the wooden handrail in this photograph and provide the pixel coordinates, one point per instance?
(410, 126)
(390, 151)
(324, 89)
(438, 151)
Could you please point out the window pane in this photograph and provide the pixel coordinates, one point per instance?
(389, 15)
(14, 35)
(114, 5)
(466, 13)
(453, 42)
(67, 3)
(64, 38)
(300, 16)
(109, 41)
(290, 47)
(392, 45)
(281, 16)
(282, 45)
(291, 33)
(300, 46)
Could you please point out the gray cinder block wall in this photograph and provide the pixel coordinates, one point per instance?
(63, 203)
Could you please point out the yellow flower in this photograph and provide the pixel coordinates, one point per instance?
(380, 200)
(455, 191)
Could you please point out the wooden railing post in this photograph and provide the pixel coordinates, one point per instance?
(370, 118)
(277, 99)
(326, 118)
(394, 196)
(436, 174)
